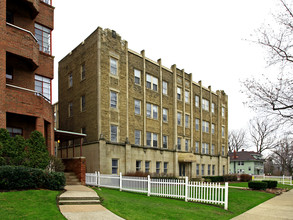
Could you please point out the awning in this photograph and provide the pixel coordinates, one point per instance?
(67, 135)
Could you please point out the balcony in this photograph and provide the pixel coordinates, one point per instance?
(33, 5)
(22, 43)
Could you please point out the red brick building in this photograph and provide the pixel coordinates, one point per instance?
(26, 68)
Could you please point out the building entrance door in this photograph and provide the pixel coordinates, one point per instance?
(181, 169)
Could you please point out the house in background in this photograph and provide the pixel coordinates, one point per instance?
(26, 68)
(247, 162)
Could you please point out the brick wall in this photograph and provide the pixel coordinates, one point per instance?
(76, 165)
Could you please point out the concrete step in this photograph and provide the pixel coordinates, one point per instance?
(73, 183)
(72, 178)
(79, 198)
(79, 202)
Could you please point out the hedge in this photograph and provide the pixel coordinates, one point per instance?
(271, 183)
(230, 177)
(19, 177)
(214, 178)
(257, 185)
(245, 178)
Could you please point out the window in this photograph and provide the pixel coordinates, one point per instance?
(70, 80)
(186, 96)
(47, 1)
(207, 148)
(113, 99)
(196, 124)
(82, 103)
(43, 36)
(197, 169)
(149, 110)
(213, 108)
(179, 143)
(213, 149)
(209, 169)
(196, 101)
(165, 141)
(205, 126)
(152, 111)
(138, 165)
(178, 93)
(223, 131)
(155, 140)
(203, 148)
(165, 115)
(223, 112)
(149, 138)
(187, 121)
(9, 72)
(114, 130)
(205, 105)
(213, 128)
(179, 115)
(155, 112)
(113, 66)
(152, 139)
(223, 150)
(196, 147)
(151, 82)
(147, 166)
(14, 131)
(114, 166)
(224, 170)
(165, 167)
(202, 169)
(158, 167)
(165, 88)
(43, 86)
(70, 109)
(82, 71)
(242, 163)
(186, 145)
(137, 106)
(213, 170)
(249, 168)
(137, 135)
(137, 74)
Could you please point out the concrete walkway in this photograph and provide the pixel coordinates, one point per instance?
(279, 207)
(83, 211)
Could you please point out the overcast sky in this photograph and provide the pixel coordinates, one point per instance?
(206, 38)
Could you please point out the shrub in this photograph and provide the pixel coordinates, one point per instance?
(230, 177)
(214, 178)
(245, 178)
(271, 183)
(137, 173)
(56, 164)
(257, 185)
(12, 177)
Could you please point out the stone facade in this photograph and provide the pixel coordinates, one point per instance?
(24, 53)
(98, 92)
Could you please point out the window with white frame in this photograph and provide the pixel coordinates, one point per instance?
(213, 108)
(151, 82)
(43, 36)
(213, 128)
(196, 102)
(148, 110)
(152, 111)
(207, 148)
(137, 134)
(155, 140)
(213, 149)
(186, 96)
(158, 167)
(152, 139)
(165, 115)
(165, 167)
(155, 111)
(223, 112)
(148, 138)
(179, 118)
(178, 93)
(197, 124)
(205, 104)
(138, 165)
(187, 121)
(113, 99)
(205, 126)
(137, 106)
(137, 75)
(223, 131)
(202, 169)
(196, 147)
(165, 141)
(70, 80)
(113, 66)
(165, 88)
(114, 166)
(147, 166)
(179, 143)
(82, 103)
(43, 86)
(186, 145)
(114, 133)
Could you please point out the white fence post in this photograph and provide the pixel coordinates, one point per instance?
(149, 185)
(186, 188)
(96, 178)
(99, 180)
(226, 196)
(120, 180)
(283, 178)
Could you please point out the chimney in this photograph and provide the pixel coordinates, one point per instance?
(234, 154)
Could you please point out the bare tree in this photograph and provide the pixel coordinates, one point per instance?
(275, 97)
(262, 133)
(237, 140)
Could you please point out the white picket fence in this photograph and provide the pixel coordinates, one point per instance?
(281, 179)
(212, 193)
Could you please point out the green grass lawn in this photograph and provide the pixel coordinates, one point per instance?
(245, 184)
(139, 206)
(29, 204)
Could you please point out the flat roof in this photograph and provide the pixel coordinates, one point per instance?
(67, 135)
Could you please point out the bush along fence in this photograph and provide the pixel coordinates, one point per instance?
(212, 193)
(281, 179)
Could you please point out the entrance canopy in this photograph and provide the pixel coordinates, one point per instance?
(61, 136)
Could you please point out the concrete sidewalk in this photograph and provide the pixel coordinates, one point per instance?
(279, 207)
(80, 202)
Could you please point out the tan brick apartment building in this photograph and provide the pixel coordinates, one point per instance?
(26, 68)
(139, 115)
